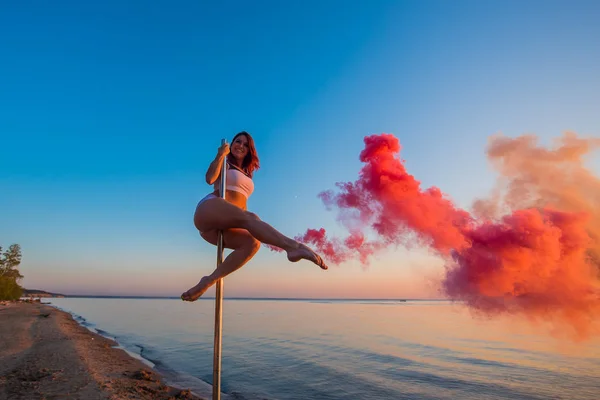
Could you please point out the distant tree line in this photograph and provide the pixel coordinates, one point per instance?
(9, 273)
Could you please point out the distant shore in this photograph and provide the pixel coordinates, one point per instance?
(47, 354)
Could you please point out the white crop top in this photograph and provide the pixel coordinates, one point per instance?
(238, 181)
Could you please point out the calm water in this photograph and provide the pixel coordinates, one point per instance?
(302, 349)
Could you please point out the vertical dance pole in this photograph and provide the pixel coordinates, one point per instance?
(216, 395)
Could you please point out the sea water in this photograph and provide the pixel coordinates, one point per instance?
(345, 349)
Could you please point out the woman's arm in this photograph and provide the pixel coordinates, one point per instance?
(214, 169)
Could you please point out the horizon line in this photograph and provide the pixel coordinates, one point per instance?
(58, 295)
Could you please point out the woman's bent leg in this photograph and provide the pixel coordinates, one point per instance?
(244, 248)
(218, 214)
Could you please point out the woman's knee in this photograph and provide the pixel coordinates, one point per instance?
(254, 245)
(250, 246)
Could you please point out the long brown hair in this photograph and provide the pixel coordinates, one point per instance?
(251, 162)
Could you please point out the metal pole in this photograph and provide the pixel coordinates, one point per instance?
(216, 395)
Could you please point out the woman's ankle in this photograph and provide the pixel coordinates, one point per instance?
(292, 245)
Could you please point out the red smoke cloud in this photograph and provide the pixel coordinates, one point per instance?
(531, 249)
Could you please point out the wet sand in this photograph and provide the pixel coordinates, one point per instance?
(45, 354)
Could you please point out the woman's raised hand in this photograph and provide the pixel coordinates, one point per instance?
(223, 150)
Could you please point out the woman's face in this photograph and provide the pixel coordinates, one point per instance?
(239, 147)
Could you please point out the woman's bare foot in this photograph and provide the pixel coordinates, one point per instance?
(303, 252)
(194, 293)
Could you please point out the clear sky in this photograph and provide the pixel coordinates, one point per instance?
(110, 113)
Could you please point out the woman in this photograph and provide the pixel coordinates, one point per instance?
(243, 230)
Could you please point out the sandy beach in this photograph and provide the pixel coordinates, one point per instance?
(45, 354)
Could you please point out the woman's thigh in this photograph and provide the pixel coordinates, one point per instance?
(233, 238)
(218, 214)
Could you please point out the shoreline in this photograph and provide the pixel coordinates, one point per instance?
(81, 321)
(47, 353)
(175, 380)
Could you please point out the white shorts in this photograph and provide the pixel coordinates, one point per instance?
(208, 196)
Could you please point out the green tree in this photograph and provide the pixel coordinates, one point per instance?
(9, 273)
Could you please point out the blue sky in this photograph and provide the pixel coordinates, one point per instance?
(110, 113)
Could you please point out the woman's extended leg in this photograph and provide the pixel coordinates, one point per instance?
(244, 248)
(218, 214)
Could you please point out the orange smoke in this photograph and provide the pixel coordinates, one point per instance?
(531, 249)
